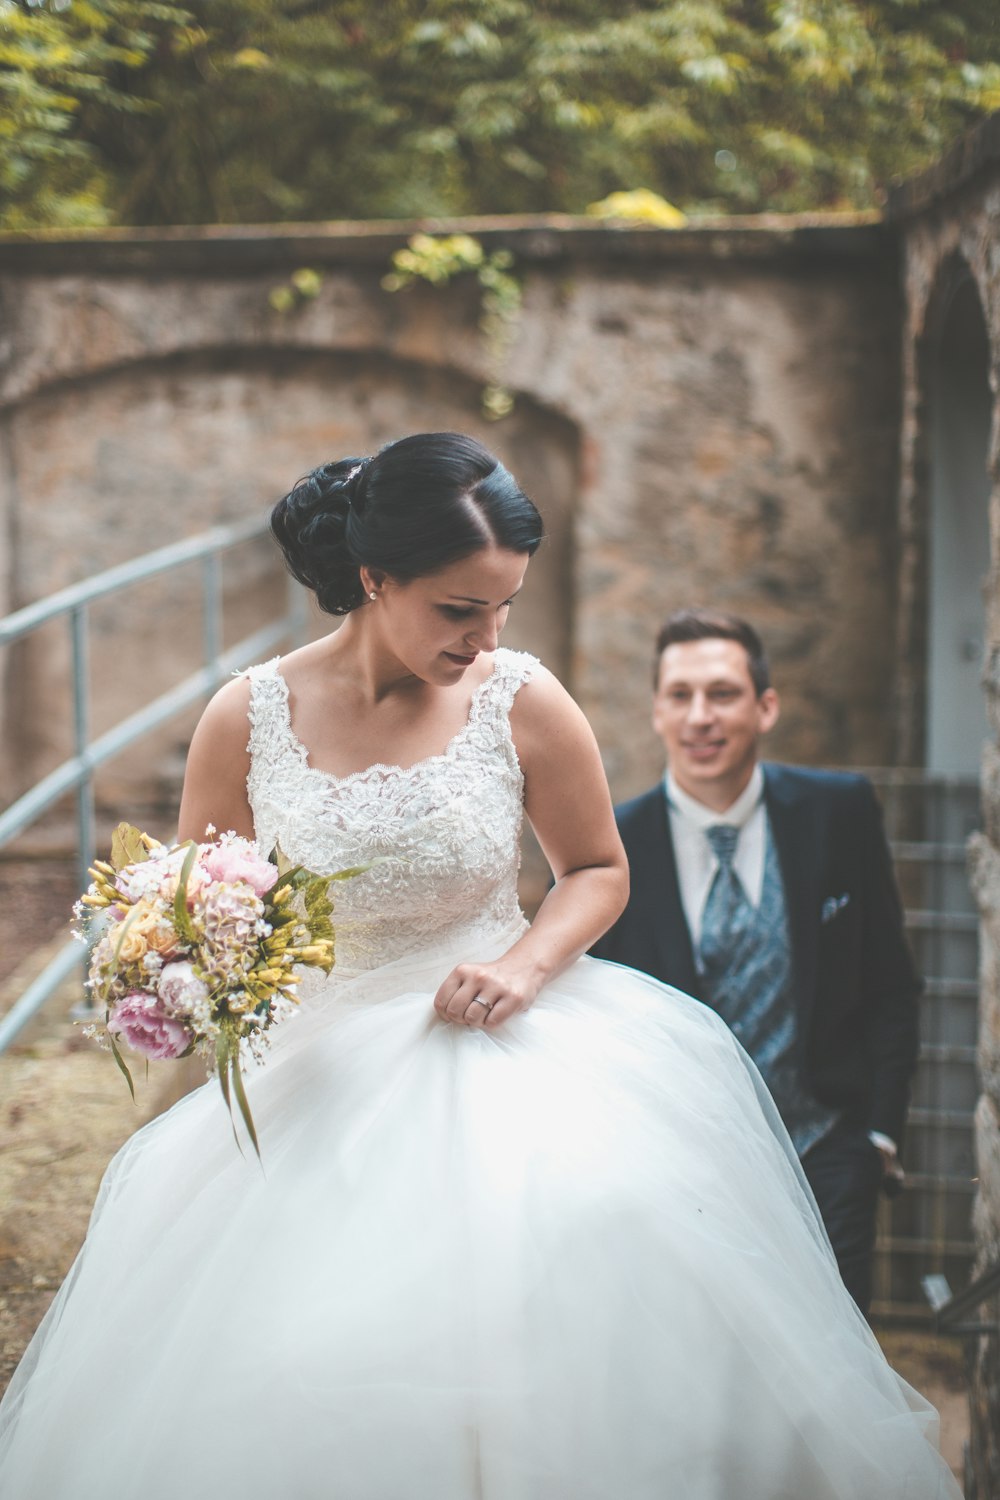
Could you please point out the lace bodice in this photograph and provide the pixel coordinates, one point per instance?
(445, 832)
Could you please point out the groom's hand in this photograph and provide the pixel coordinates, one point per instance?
(892, 1169)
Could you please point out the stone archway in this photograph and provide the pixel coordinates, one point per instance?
(959, 420)
(107, 466)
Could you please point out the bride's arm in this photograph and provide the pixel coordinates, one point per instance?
(568, 804)
(215, 780)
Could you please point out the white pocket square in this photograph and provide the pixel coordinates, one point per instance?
(832, 905)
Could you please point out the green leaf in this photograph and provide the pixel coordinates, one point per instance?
(223, 1058)
(307, 282)
(127, 847)
(242, 1101)
(182, 920)
(122, 1064)
(222, 1065)
(281, 298)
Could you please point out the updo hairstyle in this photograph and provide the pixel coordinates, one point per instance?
(412, 508)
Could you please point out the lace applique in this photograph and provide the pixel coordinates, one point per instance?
(446, 830)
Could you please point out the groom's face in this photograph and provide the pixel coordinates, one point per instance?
(710, 718)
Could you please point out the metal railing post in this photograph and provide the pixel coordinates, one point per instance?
(211, 606)
(85, 810)
(76, 774)
(81, 741)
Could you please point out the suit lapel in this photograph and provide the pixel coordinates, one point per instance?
(799, 839)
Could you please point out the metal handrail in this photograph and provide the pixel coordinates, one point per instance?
(950, 1307)
(217, 539)
(76, 774)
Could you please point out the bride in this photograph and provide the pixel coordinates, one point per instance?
(528, 1225)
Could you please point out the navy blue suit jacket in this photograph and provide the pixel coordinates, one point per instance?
(854, 981)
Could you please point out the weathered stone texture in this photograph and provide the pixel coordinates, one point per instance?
(715, 426)
(754, 476)
(984, 870)
(984, 1357)
(990, 786)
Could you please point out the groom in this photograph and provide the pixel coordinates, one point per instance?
(767, 892)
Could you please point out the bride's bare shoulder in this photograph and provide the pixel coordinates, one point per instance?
(218, 763)
(226, 715)
(543, 709)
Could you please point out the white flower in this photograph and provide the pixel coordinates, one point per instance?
(180, 989)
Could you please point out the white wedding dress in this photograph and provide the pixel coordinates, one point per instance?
(574, 1259)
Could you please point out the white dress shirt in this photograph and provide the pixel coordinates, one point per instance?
(696, 864)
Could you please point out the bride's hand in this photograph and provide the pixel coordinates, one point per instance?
(485, 995)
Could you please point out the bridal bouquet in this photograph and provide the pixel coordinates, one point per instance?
(202, 950)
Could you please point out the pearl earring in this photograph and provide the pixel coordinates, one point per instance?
(373, 595)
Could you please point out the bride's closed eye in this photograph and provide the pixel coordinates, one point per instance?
(457, 612)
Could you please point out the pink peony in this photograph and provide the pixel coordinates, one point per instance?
(237, 860)
(140, 1020)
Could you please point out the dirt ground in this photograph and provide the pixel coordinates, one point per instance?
(36, 896)
(64, 1111)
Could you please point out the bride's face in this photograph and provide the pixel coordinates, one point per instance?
(438, 624)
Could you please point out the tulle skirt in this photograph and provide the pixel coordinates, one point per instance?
(574, 1259)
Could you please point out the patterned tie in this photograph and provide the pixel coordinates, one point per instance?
(727, 912)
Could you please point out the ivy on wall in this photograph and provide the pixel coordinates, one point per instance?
(438, 260)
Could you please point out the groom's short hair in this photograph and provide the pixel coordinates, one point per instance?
(710, 625)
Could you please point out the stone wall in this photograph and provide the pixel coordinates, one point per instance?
(950, 226)
(702, 415)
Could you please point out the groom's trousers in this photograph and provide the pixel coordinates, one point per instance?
(844, 1170)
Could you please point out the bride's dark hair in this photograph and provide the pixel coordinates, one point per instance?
(412, 508)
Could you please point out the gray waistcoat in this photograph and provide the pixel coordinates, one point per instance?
(754, 996)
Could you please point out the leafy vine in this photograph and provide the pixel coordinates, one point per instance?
(302, 286)
(437, 260)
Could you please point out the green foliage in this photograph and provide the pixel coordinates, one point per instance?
(246, 110)
(63, 63)
(437, 261)
(304, 285)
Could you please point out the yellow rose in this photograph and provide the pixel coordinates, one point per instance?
(132, 947)
(145, 930)
(161, 938)
(142, 916)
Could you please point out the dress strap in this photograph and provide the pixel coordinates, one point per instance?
(267, 744)
(489, 721)
(511, 670)
(267, 704)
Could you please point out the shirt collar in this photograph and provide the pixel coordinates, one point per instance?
(737, 814)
